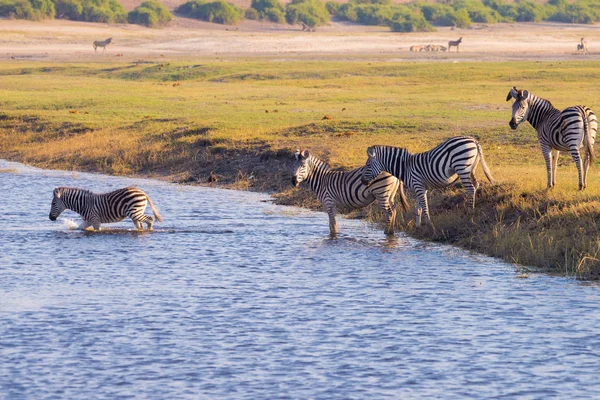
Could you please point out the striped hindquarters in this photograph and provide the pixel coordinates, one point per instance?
(347, 189)
(119, 204)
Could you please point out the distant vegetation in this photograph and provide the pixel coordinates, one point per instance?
(409, 17)
(150, 13)
(220, 12)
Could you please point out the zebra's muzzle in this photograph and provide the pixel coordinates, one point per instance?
(52, 218)
(513, 124)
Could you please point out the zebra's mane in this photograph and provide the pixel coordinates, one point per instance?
(319, 164)
(64, 189)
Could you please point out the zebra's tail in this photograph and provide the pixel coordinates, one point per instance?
(486, 170)
(587, 137)
(403, 200)
(154, 210)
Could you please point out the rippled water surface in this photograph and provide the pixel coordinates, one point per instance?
(232, 297)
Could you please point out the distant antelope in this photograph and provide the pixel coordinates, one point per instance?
(454, 43)
(102, 43)
(419, 47)
(582, 46)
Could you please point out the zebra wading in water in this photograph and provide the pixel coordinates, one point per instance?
(568, 130)
(436, 168)
(102, 43)
(344, 188)
(96, 209)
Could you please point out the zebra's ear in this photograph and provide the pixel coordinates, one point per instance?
(512, 94)
(297, 154)
(305, 154)
(524, 94)
(57, 193)
(371, 152)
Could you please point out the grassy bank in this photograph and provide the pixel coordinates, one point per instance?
(241, 119)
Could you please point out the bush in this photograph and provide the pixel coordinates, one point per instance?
(347, 12)
(108, 11)
(68, 9)
(24, 9)
(312, 12)
(332, 7)
(150, 13)
(411, 23)
(218, 11)
(264, 5)
(252, 14)
(576, 13)
(275, 15)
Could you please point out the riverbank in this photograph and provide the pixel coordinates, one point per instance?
(242, 120)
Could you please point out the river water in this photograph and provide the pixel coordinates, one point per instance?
(233, 297)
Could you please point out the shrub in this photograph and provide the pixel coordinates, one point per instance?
(264, 5)
(411, 23)
(252, 14)
(68, 9)
(347, 12)
(218, 11)
(275, 15)
(25, 9)
(108, 11)
(312, 12)
(150, 13)
(576, 13)
(332, 7)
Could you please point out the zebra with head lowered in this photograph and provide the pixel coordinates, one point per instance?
(344, 188)
(96, 209)
(567, 130)
(436, 168)
(102, 43)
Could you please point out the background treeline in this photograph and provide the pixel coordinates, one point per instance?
(408, 17)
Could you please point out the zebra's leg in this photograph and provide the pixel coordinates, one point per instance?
(422, 207)
(148, 220)
(467, 178)
(577, 159)
(546, 153)
(390, 214)
(586, 166)
(331, 212)
(554, 154)
(84, 225)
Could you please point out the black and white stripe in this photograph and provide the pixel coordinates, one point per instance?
(569, 130)
(436, 168)
(344, 188)
(96, 209)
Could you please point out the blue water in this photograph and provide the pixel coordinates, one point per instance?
(233, 297)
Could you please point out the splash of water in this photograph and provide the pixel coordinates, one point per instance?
(71, 224)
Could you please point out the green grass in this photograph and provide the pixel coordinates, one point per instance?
(233, 117)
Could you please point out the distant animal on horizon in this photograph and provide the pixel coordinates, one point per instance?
(102, 43)
(436, 168)
(570, 130)
(582, 46)
(344, 188)
(418, 47)
(454, 43)
(96, 209)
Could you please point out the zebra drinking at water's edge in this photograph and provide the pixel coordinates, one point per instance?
(436, 168)
(102, 43)
(96, 209)
(568, 130)
(344, 188)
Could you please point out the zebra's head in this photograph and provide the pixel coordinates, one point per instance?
(520, 108)
(301, 168)
(372, 168)
(58, 206)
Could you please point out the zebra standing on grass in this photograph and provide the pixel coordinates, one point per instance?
(96, 209)
(102, 43)
(568, 130)
(436, 168)
(455, 43)
(344, 188)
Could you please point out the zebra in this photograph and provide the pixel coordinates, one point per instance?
(344, 188)
(436, 168)
(568, 130)
(104, 208)
(102, 43)
(582, 46)
(454, 43)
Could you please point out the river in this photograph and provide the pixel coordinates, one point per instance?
(234, 297)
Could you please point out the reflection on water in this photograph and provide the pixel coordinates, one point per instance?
(232, 297)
